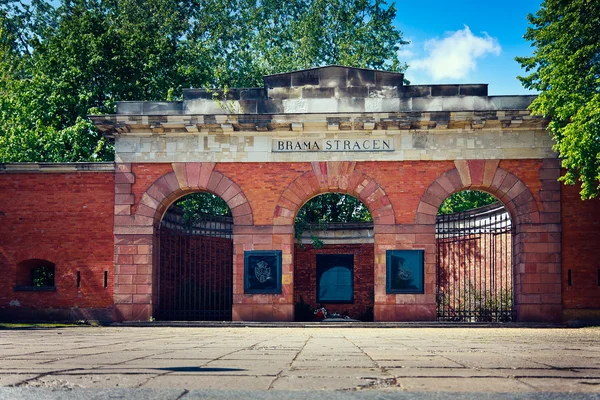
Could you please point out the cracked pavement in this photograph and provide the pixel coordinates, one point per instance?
(262, 360)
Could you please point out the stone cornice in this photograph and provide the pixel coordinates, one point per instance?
(130, 124)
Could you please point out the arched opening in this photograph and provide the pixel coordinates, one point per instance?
(195, 260)
(474, 239)
(334, 259)
(35, 274)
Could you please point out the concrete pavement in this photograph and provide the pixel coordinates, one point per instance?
(360, 363)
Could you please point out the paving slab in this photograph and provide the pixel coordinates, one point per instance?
(91, 380)
(191, 362)
(470, 384)
(191, 382)
(564, 385)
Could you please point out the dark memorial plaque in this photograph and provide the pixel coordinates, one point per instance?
(405, 270)
(262, 271)
(335, 278)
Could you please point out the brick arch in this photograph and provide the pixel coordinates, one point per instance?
(334, 176)
(188, 178)
(484, 175)
(36, 254)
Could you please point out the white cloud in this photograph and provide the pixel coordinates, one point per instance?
(455, 55)
(406, 51)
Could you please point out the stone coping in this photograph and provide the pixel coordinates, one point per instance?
(57, 167)
(307, 101)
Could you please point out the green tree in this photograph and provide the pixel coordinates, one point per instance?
(60, 63)
(333, 207)
(195, 205)
(466, 200)
(565, 68)
(328, 208)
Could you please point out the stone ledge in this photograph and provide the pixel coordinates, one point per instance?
(57, 167)
(320, 102)
(194, 124)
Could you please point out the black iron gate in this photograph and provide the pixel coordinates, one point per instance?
(474, 265)
(195, 268)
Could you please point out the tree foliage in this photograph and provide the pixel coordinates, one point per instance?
(61, 60)
(194, 205)
(333, 207)
(328, 208)
(466, 200)
(565, 68)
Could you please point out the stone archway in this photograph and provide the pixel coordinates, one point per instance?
(334, 176)
(536, 246)
(134, 231)
(343, 177)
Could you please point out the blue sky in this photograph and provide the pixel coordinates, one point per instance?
(465, 41)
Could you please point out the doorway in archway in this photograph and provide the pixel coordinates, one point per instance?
(474, 239)
(334, 259)
(195, 260)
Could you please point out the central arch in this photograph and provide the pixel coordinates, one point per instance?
(334, 255)
(334, 176)
(342, 177)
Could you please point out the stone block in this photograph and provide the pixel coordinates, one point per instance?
(309, 77)
(462, 166)
(270, 106)
(253, 94)
(162, 107)
(457, 103)
(444, 90)
(318, 93)
(284, 93)
(352, 92)
(130, 107)
(473, 90)
(333, 76)
(427, 104)
(361, 77)
(416, 91)
(124, 199)
(278, 80)
(393, 79)
(489, 171)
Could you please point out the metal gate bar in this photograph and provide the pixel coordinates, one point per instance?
(474, 265)
(195, 268)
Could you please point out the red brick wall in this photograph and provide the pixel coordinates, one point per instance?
(67, 219)
(404, 182)
(305, 277)
(580, 252)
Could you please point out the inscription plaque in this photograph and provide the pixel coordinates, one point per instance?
(262, 271)
(405, 271)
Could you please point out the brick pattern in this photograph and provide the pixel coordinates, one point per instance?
(537, 230)
(403, 197)
(580, 254)
(134, 229)
(48, 216)
(405, 220)
(334, 177)
(305, 277)
(263, 307)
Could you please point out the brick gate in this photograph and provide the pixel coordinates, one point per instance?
(400, 149)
